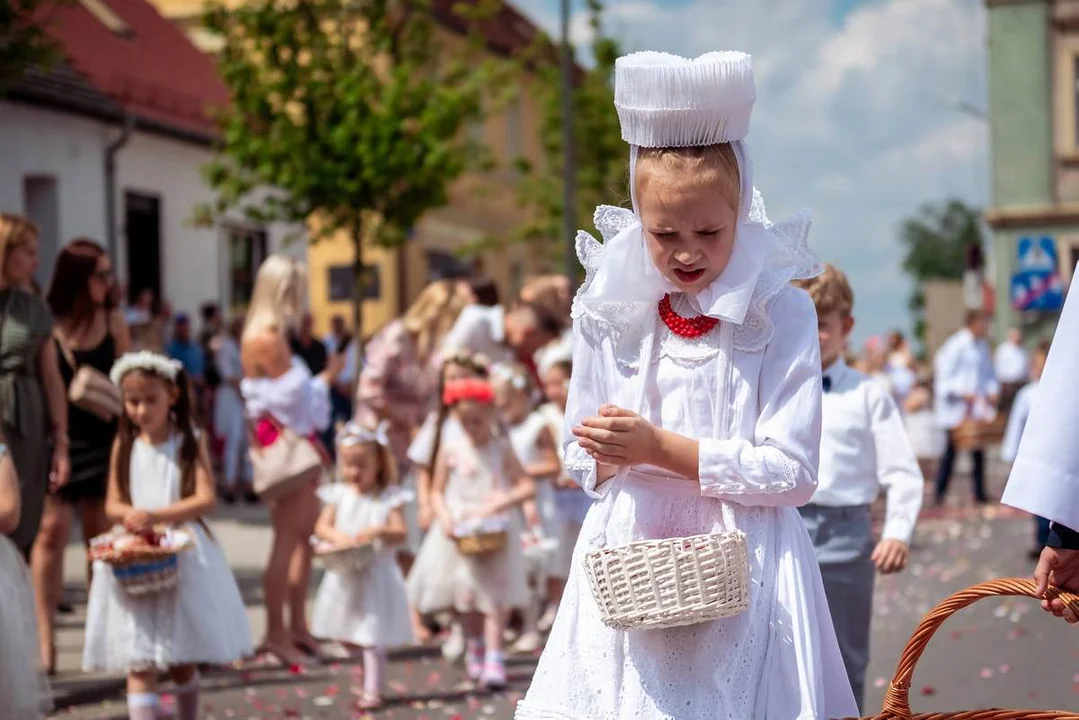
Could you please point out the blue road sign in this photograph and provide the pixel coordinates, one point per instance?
(1036, 281)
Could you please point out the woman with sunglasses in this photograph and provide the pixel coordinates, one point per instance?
(89, 331)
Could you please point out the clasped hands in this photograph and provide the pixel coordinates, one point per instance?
(617, 437)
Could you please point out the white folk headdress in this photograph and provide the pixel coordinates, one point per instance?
(665, 100)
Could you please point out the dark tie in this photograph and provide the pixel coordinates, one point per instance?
(826, 383)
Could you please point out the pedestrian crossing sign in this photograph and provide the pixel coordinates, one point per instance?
(1036, 283)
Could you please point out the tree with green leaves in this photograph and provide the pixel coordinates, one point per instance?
(23, 40)
(351, 112)
(600, 156)
(938, 241)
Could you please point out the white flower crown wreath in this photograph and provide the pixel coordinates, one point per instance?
(146, 361)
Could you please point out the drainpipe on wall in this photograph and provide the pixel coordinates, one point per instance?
(110, 183)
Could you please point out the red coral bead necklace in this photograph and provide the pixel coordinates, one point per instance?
(692, 327)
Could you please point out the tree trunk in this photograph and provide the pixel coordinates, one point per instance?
(358, 293)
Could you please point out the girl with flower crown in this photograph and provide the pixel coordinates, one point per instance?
(694, 408)
(160, 474)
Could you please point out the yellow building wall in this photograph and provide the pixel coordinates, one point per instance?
(336, 251)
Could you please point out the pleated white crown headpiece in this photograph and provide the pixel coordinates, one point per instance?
(664, 100)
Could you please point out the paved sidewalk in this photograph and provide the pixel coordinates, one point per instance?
(998, 653)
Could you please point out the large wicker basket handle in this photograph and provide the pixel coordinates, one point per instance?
(897, 699)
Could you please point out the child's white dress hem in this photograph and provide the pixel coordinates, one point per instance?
(369, 609)
(202, 621)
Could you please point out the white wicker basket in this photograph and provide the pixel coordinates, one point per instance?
(654, 584)
(354, 559)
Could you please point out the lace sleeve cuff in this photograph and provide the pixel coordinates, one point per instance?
(751, 475)
(582, 468)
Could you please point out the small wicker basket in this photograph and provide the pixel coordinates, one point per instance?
(897, 699)
(974, 434)
(145, 570)
(354, 559)
(653, 584)
(481, 543)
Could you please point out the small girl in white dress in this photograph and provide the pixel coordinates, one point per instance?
(533, 442)
(695, 408)
(368, 609)
(23, 687)
(440, 424)
(478, 482)
(160, 474)
(570, 499)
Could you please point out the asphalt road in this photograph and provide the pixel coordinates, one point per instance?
(998, 653)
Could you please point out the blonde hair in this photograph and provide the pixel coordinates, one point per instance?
(15, 230)
(433, 313)
(830, 291)
(277, 299)
(705, 165)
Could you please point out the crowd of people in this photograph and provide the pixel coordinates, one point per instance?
(483, 455)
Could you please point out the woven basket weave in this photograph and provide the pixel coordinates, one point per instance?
(653, 584)
(897, 699)
(354, 559)
(483, 543)
(145, 571)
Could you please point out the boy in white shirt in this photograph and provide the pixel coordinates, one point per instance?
(864, 447)
(1017, 422)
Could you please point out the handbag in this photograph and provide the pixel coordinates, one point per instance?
(284, 464)
(90, 389)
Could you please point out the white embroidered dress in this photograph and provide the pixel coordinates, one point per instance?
(750, 391)
(369, 609)
(24, 690)
(202, 621)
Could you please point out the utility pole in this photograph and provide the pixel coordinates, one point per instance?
(569, 190)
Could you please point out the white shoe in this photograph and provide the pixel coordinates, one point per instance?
(454, 647)
(547, 619)
(528, 643)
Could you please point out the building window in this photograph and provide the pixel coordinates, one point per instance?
(41, 204)
(445, 266)
(514, 148)
(340, 283)
(247, 249)
(1075, 99)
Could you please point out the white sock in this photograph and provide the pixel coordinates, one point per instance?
(374, 665)
(142, 706)
(493, 657)
(187, 699)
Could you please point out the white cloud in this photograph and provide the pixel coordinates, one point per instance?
(855, 119)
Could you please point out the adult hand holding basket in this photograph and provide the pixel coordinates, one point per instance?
(897, 700)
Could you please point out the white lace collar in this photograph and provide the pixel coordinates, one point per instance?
(767, 257)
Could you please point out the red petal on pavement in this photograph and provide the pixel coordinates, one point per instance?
(928, 690)
(295, 669)
(333, 690)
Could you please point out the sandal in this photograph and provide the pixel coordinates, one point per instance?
(308, 645)
(284, 654)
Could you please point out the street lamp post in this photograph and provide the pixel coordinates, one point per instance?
(569, 191)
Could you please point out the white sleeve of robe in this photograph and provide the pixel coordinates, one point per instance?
(1045, 475)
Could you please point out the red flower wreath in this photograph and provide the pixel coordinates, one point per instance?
(472, 389)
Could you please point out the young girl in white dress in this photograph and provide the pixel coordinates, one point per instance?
(478, 482)
(368, 610)
(571, 501)
(23, 687)
(694, 408)
(455, 365)
(160, 474)
(534, 444)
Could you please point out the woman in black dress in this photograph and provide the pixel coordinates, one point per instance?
(89, 331)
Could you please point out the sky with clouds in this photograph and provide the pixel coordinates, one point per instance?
(859, 116)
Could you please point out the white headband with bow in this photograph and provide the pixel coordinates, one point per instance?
(353, 433)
